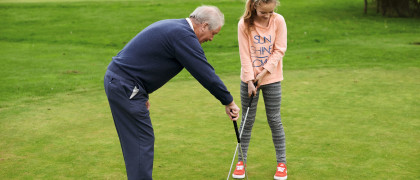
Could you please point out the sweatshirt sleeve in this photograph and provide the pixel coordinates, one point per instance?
(190, 54)
(247, 71)
(280, 45)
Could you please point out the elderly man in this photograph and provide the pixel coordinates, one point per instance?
(147, 62)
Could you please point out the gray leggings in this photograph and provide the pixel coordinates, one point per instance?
(272, 100)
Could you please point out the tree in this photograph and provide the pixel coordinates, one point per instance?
(400, 8)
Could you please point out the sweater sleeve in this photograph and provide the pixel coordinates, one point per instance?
(247, 71)
(190, 54)
(280, 45)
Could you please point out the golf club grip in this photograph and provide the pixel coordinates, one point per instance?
(252, 95)
(235, 125)
(232, 116)
(250, 100)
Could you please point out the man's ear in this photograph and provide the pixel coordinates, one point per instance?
(205, 25)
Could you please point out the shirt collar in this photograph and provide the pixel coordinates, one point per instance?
(189, 22)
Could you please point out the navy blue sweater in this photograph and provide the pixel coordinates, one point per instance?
(161, 51)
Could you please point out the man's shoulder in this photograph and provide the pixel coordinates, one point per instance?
(172, 27)
(172, 23)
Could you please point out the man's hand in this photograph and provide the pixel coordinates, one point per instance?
(148, 105)
(232, 110)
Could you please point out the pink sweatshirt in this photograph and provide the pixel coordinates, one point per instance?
(263, 49)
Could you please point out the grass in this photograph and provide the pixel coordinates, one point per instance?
(350, 104)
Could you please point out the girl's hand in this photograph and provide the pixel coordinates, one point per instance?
(252, 90)
(259, 77)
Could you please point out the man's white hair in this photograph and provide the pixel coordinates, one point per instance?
(209, 14)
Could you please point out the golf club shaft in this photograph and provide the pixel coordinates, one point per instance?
(238, 137)
(233, 159)
(238, 145)
(242, 155)
(246, 115)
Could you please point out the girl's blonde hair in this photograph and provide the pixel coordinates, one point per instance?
(251, 12)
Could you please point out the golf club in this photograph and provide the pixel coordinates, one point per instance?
(239, 136)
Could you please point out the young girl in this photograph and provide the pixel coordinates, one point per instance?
(262, 37)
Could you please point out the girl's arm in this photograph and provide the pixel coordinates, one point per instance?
(261, 76)
(280, 45)
(247, 71)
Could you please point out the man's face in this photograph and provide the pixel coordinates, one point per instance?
(205, 34)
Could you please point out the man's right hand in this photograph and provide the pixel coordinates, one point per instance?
(232, 110)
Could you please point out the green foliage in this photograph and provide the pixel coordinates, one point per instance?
(400, 8)
(350, 100)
